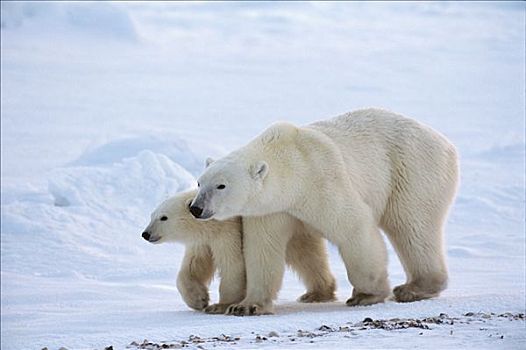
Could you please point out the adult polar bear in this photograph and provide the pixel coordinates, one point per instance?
(346, 177)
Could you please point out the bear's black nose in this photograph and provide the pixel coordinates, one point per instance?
(146, 235)
(196, 211)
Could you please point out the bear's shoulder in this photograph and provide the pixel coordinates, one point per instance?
(279, 132)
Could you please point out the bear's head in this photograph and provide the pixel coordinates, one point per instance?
(172, 221)
(249, 181)
(226, 186)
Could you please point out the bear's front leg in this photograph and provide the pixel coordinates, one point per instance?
(264, 244)
(227, 250)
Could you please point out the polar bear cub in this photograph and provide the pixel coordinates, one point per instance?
(218, 245)
(348, 177)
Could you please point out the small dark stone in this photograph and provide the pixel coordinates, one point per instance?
(367, 319)
(109, 347)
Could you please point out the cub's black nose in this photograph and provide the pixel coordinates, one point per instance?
(146, 235)
(196, 211)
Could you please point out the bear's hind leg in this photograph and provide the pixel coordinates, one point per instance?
(307, 255)
(420, 252)
(414, 219)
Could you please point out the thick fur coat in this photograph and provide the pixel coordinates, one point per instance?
(347, 178)
(218, 246)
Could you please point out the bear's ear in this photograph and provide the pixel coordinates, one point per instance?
(208, 162)
(259, 170)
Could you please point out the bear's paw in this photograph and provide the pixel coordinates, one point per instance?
(317, 297)
(216, 309)
(248, 310)
(363, 299)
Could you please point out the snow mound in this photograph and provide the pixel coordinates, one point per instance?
(140, 182)
(91, 218)
(95, 19)
(174, 148)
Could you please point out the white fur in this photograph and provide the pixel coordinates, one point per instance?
(209, 245)
(218, 245)
(347, 177)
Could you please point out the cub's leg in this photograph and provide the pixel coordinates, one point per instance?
(307, 255)
(348, 222)
(363, 251)
(197, 269)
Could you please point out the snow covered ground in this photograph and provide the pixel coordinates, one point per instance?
(108, 108)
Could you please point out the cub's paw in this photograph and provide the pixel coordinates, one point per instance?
(198, 303)
(317, 297)
(247, 310)
(365, 299)
(216, 309)
(195, 296)
(407, 293)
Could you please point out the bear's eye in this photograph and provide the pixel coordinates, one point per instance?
(220, 187)
(198, 184)
(164, 218)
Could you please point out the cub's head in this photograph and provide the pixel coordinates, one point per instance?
(172, 221)
(226, 187)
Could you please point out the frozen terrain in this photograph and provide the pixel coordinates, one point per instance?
(108, 108)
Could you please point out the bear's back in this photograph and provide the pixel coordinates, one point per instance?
(374, 142)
